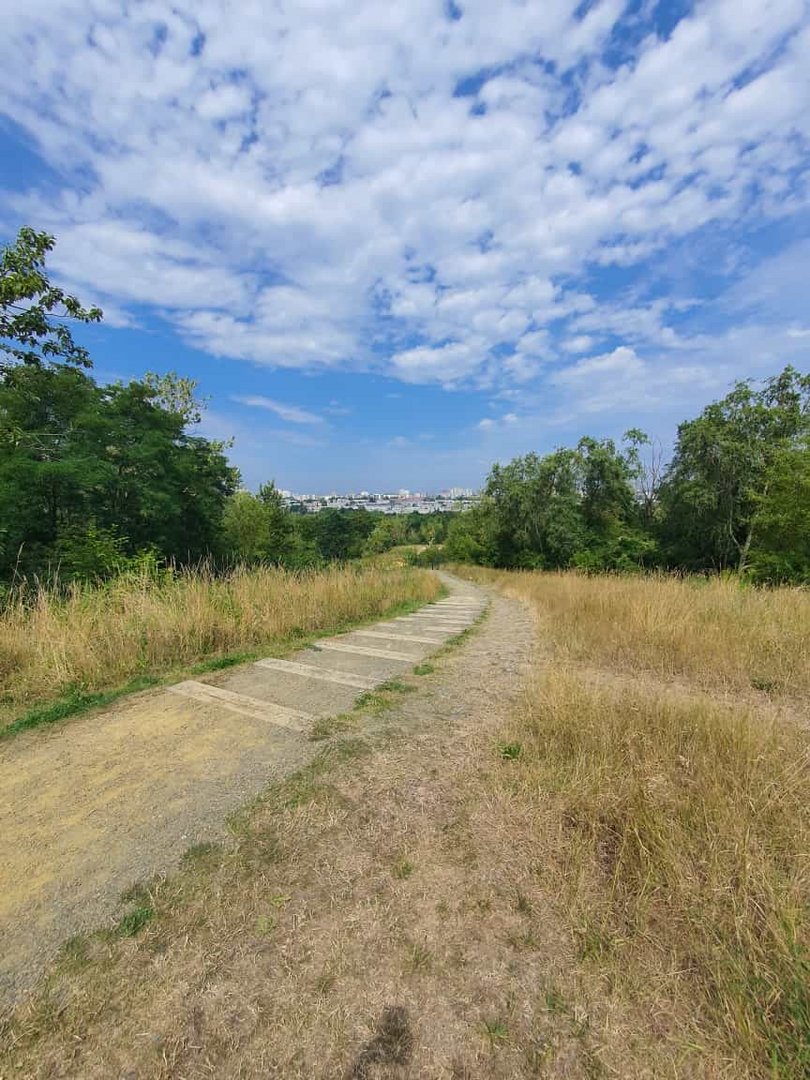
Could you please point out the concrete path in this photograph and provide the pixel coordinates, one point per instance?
(99, 803)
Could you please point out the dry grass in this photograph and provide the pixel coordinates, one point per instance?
(714, 632)
(676, 825)
(678, 842)
(587, 881)
(95, 638)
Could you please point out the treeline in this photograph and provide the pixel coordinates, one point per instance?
(735, 496)
(95, 479)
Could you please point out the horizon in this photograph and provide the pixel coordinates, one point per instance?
(396, 246)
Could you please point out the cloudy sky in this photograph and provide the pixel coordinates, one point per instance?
(397, 241)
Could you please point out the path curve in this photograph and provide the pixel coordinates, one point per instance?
(105, 801)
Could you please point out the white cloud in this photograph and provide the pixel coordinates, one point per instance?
(507, 420)
(304, 188)
(293, 414)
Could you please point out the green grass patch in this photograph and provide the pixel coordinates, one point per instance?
(78, 701)
(134, 921)
(326, 727)
(496, 1031)
(510, 751)
(219, 663)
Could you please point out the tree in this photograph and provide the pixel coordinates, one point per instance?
(645, 457)
(33, 312)
(176, 394)
(109, 463)
(569, 508)
(781, 548)
(281, 536)
(244, 527)
(722, 466)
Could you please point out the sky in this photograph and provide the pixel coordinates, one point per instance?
(397, 242)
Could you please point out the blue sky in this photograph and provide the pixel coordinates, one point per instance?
(395, 243)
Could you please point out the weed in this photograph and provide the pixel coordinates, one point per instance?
(523, 940)
(496, 1032)
(767, 686)
(395, 686)
(510, 751)
(75, 953)
(265, 924)
(402, 869)
(325, 727)
(134, 921)
(325, 982)
(593, 942)
(523, 904)
(202, 854)
(419, 957)
(555, 1002)
(424, 669)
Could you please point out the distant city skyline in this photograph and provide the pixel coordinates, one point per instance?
(402, 501)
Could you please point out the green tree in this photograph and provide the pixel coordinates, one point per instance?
(244, 527)
(471, 536)
(722, 467)
(781, 547)
(281, 536)
(75, 456)
(33, 311)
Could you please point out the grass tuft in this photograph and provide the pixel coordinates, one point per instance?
(510, 751)
(134, 921)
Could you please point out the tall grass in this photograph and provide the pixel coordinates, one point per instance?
(145, 623)
(678, 845)
(675, 827)
(713, 631)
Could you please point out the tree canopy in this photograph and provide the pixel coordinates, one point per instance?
(34, 313)
(736, 495)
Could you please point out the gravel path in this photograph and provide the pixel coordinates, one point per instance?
(105, 801)
(399, 918)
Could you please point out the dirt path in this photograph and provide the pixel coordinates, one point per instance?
(384, 919)
(100, 803)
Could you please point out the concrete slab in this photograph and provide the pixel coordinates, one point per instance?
(277, 715)
(372, 667)
(316, 697)
(361, 650)
(404, 636)
(402, 643)
(439, 632)
(340, 678)
(432, 620)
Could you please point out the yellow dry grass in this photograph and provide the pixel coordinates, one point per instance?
(676, 820)
(713, 631)
(97, 637)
